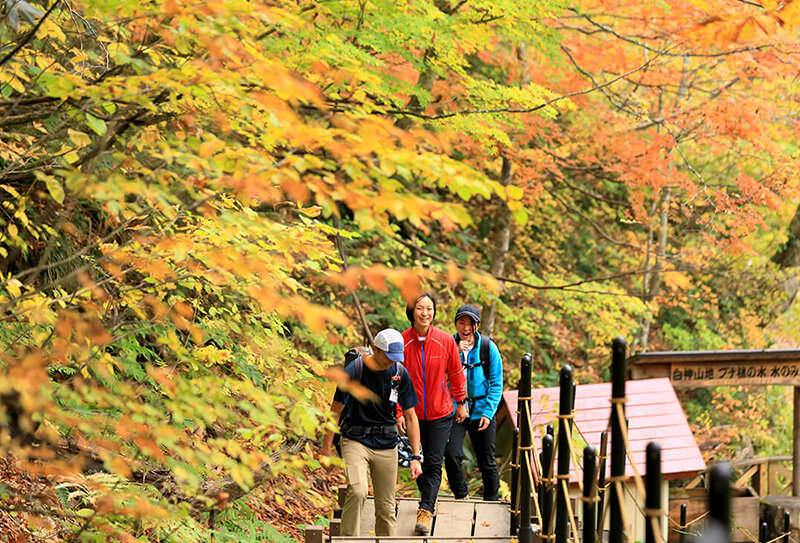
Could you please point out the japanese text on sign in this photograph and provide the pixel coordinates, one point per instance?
(757, 373)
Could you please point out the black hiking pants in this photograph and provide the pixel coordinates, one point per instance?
(483, 444)
(434, 435)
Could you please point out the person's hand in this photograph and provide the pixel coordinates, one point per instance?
(464, 345)
(401, 426)
(416, 469)
(483, 424)
(461, 412)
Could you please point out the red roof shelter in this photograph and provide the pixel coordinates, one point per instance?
(653, 412)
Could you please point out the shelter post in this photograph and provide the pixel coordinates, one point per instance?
(796, 445)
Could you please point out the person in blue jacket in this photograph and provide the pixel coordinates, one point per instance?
(484, 390)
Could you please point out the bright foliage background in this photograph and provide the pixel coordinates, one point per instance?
(191, 193)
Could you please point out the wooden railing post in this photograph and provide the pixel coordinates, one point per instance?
(601, 484)
(759, 480)
(589, 495)
(313, 534)
(546, 494)
(718, 526)
(652, 501)
(336, 527)
(618, 377)
(787, 527)
(564, 427)
(719, 494)
(515, 480)
(682, 533)
(525, 531)
(796, 444)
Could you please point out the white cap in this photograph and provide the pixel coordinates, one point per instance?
(390, 341)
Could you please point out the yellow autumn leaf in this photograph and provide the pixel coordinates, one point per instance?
(790, 14)
(42, 61)
(14, 288)
(702, 4)
(117, 48)
(12, 81)
(51, 29)
(81, 139)
(79, 56)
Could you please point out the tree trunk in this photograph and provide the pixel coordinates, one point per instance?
(425, 82)
(788, 256)
(500, 243)
(502, 233)
(653, 275)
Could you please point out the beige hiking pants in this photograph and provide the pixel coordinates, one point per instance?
(382, 464)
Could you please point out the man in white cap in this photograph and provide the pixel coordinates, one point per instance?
(369, 434)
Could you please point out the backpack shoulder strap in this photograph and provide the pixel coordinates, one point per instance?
(485, 355)
(359, 368)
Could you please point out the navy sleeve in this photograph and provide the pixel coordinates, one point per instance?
(406, 396)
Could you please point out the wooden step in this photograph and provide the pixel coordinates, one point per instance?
(454, 520)
(421, 539)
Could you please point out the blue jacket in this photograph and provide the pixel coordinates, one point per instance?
(488, 391)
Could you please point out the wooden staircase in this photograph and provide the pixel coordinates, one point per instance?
(455, 521)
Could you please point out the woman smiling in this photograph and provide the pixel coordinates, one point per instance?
(432, 361)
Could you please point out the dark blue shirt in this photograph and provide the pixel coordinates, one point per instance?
(376, 413)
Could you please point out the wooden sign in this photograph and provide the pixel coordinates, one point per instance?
(691, 375)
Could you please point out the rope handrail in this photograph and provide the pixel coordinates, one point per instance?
(574, 457)
(528, 467)
(623, 513)
(573, 522)
(529, 423)
(624, 430)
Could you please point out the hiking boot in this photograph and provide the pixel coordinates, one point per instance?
(424, 518)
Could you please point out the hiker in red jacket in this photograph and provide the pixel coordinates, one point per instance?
(432, 361)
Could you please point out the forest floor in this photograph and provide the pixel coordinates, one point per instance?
(30, 507)
(288, 509)
(280, 503)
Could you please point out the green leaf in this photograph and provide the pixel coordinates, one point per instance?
(521, 216)
(98, 125)
(71, 157)
(54, 186)
(55, 189)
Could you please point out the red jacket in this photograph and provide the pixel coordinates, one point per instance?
(430, 374)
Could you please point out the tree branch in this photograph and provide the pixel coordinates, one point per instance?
(565, 286)
(360, 310)
(29, 35)
(665, 52)
(518, 110)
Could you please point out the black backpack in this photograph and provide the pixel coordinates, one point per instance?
(484, 355)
